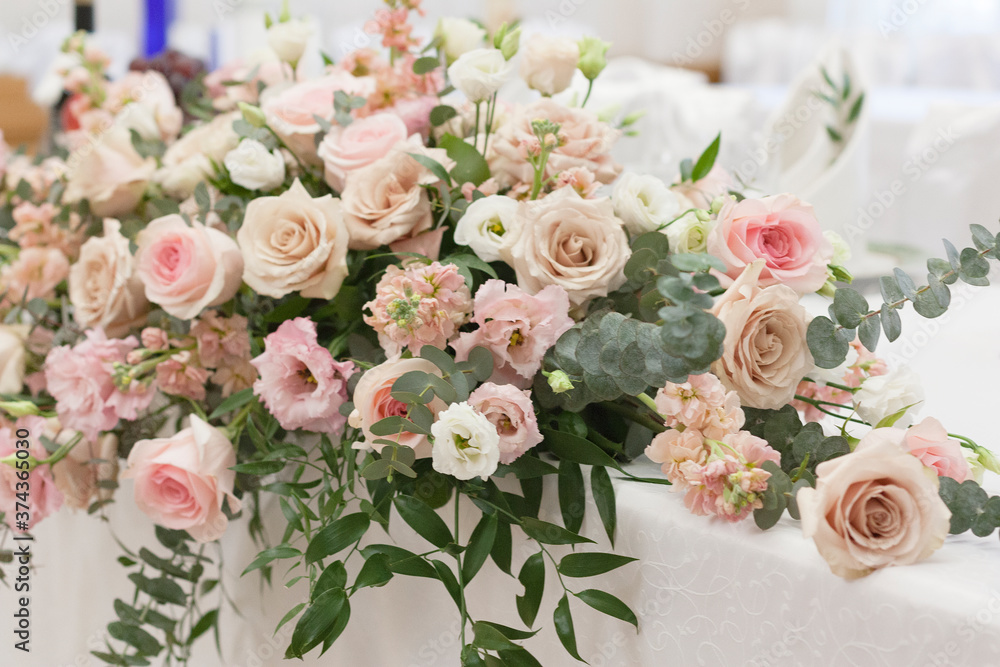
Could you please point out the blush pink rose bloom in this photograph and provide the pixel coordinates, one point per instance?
(929, 442)
(587, 143)
(300, 383)
(782, 231)
(373, 402)
(517, 327)
(186, 269)
(291, 112)
(44, 498)
(509, 409)
(415, 112)
(181, 482)
(109, 174)
(359, 144)
(34, 274)
(874, 507)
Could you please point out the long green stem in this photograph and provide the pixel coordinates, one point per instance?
(819, 406)
(461, 575)
(590, 87)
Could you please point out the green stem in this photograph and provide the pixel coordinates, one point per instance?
(632, 416)
(475, 131)
(590, 87)
(491, 109)
(461, 575)
(819, 406)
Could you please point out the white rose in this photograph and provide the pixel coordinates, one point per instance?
(466, 444)
(689, 233)
(548, 63)
(459, 36)
(884, 395)
(479, 73)
(12, 358)
(288, 39)
(254, 167)
(142, 119)
(188, 161)
(644, 202)
(484, 224)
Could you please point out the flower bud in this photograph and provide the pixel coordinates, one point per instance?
(252, 114)
(510, 44)
(19, 408)
(593, 56)
(559, 382)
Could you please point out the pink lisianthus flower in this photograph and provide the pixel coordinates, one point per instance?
(182, 375)
(509, 409)
(45, 497)
(300, 383)
(418, 305)
(81, 379)
(929, 442)
(517, 327)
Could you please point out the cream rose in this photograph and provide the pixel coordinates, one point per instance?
(294, 243)
(188, 161)
(186, 269)
(288, 39)
(548, 63)
(253, 167)
(104, 288)
(108, 173)
(568, 241)
(875, 507)
(12, 357)
(384, 201)
(765, 353)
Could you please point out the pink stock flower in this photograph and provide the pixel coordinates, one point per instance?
(235, 376)
(34, 274)
(300, 383)
(393, 25)
(221, 340)
(929, 442)
(509, 409)
(35, 226)
(517, 327)
(154, 339)
(182, 375)
(673, 448)
(701, 403)
(580, 179)
(864, 365)
(45, 498)
(422, 304)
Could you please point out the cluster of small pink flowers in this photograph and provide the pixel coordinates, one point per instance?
(866, 365)
(89, 396)
(182, 375)
(34, 275)
(36, 226)
(487, 188)
(39, 177)
(394, 26)
(701, 403)
(580, 179)
(417, 305)
(45, 497)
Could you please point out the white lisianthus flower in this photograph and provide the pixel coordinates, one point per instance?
(254, 167)
(479, 73)
(484, 224)
(288, 39)
(644, 202)
(689, 233)
(548, 63)
(466, 444)
(884, 395)
(459, 36)
(841, 251)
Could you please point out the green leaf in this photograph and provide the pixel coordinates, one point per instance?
(829, 346)
(590, 564)
(268, 555)
(869, 331)
(481, 360)
(334, 576)
(927, 305)
(834, 134)
(374, 573)
(849, 307)
(856, 108)
(891, 322)
(435, 167)
(526, 467)
(550, 533)
(162, 589)
(707, 159)
(687, 168)
(316, 623)
(691, 261)
(479, 547)
(502, 547)
(201, 198)
(202, 626)
(401, 561)
(572, 497)
(532, 577)
(423, 520)
(563, 621)
(489, 638)
(447, 577)
(292, 613)
(441, 114)
(290, 308)
(905, 283)
(337, 536)
(391, 426)
(259, 468)
(470, 165)
(891, 293)
(608, 604)
(574, 448)
(233, 403)
(604, 498)
(136, 637)
(426, 64)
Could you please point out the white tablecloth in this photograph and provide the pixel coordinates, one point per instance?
(706, 592)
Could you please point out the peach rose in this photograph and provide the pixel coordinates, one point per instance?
(294, 243)
(782, 231)
(108, 173)
(12, 357)
(182, 481)
(188, 161)
(291, 112)
(104, 288)
(385, 201)
(359, 144)
(187, 269)
(587, 143)
(764, 353)
(875, 507)
(373, 402)
(568, 241)
(929, 442)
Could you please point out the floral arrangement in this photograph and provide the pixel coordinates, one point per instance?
(381, 289)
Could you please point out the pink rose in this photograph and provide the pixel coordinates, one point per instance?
(516, 327)
(874, 507)
(44, 498)
(587, 143)
(300, 383)
(929, 442)
(782, 231)
(291, 112)
(187, 269)
(373, 402)
(182, 481)
(415, 112)
(509, 409)
(108, 173)
(359, 144)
